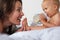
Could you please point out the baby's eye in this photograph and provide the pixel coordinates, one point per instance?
(45, 8)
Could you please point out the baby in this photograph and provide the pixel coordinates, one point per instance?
(51, 8)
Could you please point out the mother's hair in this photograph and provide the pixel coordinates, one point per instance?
(6, 7)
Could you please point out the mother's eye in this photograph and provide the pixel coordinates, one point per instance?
(18, 10)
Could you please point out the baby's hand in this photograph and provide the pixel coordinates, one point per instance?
(25, 25)
(43, 17)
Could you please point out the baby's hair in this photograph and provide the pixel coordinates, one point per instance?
(56, 2)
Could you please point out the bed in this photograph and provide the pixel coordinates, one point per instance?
(44, 34)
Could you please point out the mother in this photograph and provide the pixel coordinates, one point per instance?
(10, 14)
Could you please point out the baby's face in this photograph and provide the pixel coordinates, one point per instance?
(48, 8)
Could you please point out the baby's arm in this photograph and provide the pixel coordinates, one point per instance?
(45, 22)
(36, 27)
(48, 24)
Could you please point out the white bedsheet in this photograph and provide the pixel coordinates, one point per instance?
(45, 34)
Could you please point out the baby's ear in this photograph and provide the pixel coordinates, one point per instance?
(55, 6)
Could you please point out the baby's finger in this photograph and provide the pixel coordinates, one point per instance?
(24, 23)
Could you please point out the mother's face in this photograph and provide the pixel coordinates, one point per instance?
(16, 15)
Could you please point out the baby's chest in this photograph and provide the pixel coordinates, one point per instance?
(54, 21)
